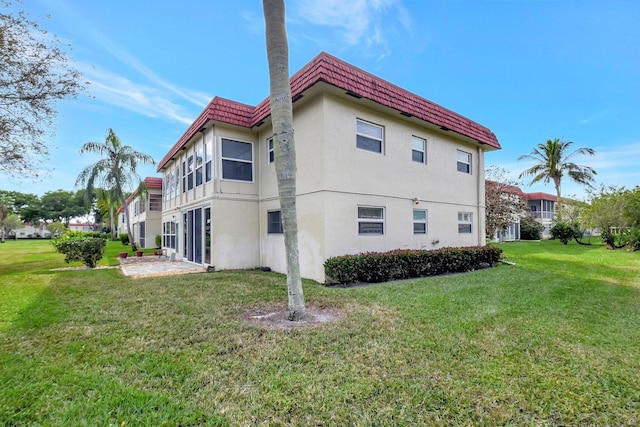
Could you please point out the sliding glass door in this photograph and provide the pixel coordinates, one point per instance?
(196, 234)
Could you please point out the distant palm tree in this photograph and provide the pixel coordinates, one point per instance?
(107, 203)
(114, 171)
(554, 160)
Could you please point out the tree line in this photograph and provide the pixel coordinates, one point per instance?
(59, 206)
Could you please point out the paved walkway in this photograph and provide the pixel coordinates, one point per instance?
(158, 267)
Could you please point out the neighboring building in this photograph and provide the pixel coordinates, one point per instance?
(379, 168)
(542, 207)
(539, 206)
(76, 226)
(145, 213)
(515, 200)
(29, 230)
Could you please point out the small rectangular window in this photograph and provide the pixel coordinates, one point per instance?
(184, 176)
(465, 221)
(207, 161)
(237, 160)
(271, 155)
(418, 150)
(190, 173)
(155, 202)
(274, 222)
(369, 137)
(464, 162)
(419, 221)
(370, 221)
(199, 164)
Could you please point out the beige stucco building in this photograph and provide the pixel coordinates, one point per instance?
(145, 212)
(379, 168)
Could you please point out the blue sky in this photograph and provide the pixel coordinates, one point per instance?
(528, 70)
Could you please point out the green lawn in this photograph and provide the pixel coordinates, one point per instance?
(553, 340)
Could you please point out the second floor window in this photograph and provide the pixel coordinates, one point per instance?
(199, 164)
(271, 155)
(190, 173)
(369, 137)
(418, 150)
(237, 160)
(464, 162)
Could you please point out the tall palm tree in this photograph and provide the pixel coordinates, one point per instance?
(114, 171)
(284, 144)
(554, 160)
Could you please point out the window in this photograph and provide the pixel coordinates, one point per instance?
(369, 137)
(271, 155)
(464, 162)
(208, 147)
(274, 222)
(169, 235)
(190, 173)
(465, 219)
(370, 221)
(418, 150)
(419, 221)
(237, 160)
(184, 176)
(155, 202)
(199, 164)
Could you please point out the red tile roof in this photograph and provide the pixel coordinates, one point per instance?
(513, 189)
(542, 196)
(151, 183)
(337, 73)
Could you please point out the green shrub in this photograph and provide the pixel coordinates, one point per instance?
(78, 246)
(530, 229)
(158, 241)
(373, 267)
(563, 232)
(124, 238)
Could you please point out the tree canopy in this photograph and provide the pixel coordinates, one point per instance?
(553, 161)
(115, 171)
(35, 73)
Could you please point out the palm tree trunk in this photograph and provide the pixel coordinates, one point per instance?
(284, 144)
(112, 222)
(557, 182)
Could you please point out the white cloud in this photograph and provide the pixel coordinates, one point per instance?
(365, 23)
(150, 101)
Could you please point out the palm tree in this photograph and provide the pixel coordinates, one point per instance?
(553, 160)
(284, 144)
(107, 205)
(114, 171)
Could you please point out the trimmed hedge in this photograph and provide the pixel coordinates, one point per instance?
(374, 267)
(79, 246)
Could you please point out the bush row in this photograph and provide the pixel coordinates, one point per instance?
(374, 267)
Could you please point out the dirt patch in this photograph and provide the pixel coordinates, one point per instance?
(277, 317)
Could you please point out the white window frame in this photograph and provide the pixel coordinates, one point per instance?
(233, 159)
(465, 219)
(421, 221)
(199, 167)
(271, 154)
(369, 136)
(208, 155)
(367, 219)
(422, 150)
(190, 170)
(463, 164)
